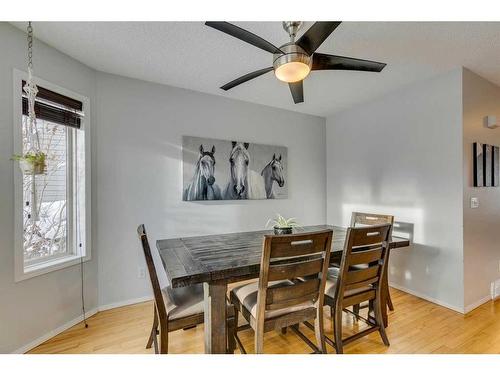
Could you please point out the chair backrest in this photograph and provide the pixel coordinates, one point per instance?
(160, 304)
(288, 257)
(363, 263)
(361, 218)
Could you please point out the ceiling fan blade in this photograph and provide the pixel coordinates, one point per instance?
(322, 61)
(245, 78)
(244, 35)
(297, 90)
(317, 33)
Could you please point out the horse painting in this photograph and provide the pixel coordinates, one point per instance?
(203, 186)
(272, 172)
(244, 170)
(244, 183)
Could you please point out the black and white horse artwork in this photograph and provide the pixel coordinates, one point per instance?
(203, 186)
(273, 172)
(244, 170)
(243, 182)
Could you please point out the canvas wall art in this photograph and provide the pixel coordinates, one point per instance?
(486, 165)
(496, 166)
(215, 169)
(488, 161)
(478, 164)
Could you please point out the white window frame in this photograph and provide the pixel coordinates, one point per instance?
(21, 271)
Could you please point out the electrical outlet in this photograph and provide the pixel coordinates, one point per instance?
(474, 202)
(141, 273)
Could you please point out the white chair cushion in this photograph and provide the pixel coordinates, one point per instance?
(184, 301)
(247, 295)
(333, 272)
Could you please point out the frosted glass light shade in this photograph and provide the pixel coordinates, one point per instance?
(292, 72)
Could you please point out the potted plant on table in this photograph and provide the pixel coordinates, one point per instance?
(282, 225)
(32, 162)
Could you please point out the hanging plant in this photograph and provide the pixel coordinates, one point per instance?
(32, 163)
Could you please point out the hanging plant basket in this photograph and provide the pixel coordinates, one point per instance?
(33, 164)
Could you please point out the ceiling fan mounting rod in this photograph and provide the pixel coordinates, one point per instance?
(292, 27)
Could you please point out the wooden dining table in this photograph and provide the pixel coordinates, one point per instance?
(221, 259)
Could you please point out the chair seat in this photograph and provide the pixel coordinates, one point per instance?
(246, 296)
(184, 301)
(331, 284)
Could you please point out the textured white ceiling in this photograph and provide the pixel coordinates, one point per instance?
(193, 56)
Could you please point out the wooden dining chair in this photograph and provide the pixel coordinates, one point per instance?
(352, 284)
(365, 219)
(275, 301)
(174, 308)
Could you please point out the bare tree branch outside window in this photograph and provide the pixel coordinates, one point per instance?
(47, 237)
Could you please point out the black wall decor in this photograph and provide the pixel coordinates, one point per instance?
(486, 165)
(496, 166)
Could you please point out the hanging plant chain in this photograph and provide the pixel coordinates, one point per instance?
(31, 92)
(30, 45)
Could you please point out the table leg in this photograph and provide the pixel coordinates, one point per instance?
(215, 317)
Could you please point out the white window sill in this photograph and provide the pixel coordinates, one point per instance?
(49, 266)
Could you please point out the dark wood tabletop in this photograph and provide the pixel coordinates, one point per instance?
(230, 257)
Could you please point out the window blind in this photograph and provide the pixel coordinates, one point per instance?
(54, 107)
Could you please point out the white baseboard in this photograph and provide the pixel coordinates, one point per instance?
(427, 298)
(71, 323)
(476, 304)
(54, 332)
(132, 301)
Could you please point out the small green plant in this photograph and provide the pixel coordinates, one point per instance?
(280, 222)
(32, 158)
(32, 162)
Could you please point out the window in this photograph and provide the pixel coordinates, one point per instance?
(52, 208)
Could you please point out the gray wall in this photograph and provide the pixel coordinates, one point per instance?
(30, 309)
(481, 234)
(402, 154)
(139, 138)
(136, 141)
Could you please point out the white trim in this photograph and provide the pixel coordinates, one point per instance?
(20, 272)
(427, 298)
(71, 323)
(49, 266)
(132, 301)
(476, 304)
(54, 332)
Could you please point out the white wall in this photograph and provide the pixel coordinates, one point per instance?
(32, 308)
(481, 233)
(138, 141)
(402, 154)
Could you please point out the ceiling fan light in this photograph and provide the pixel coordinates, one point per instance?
(293, 64)
(292, 72)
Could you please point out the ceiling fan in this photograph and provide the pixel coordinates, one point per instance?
(293, 61)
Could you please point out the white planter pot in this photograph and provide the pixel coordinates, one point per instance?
(29, 168)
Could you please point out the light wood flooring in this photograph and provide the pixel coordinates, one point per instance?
(416, 326)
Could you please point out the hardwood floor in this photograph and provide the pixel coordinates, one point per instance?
(416, 326)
